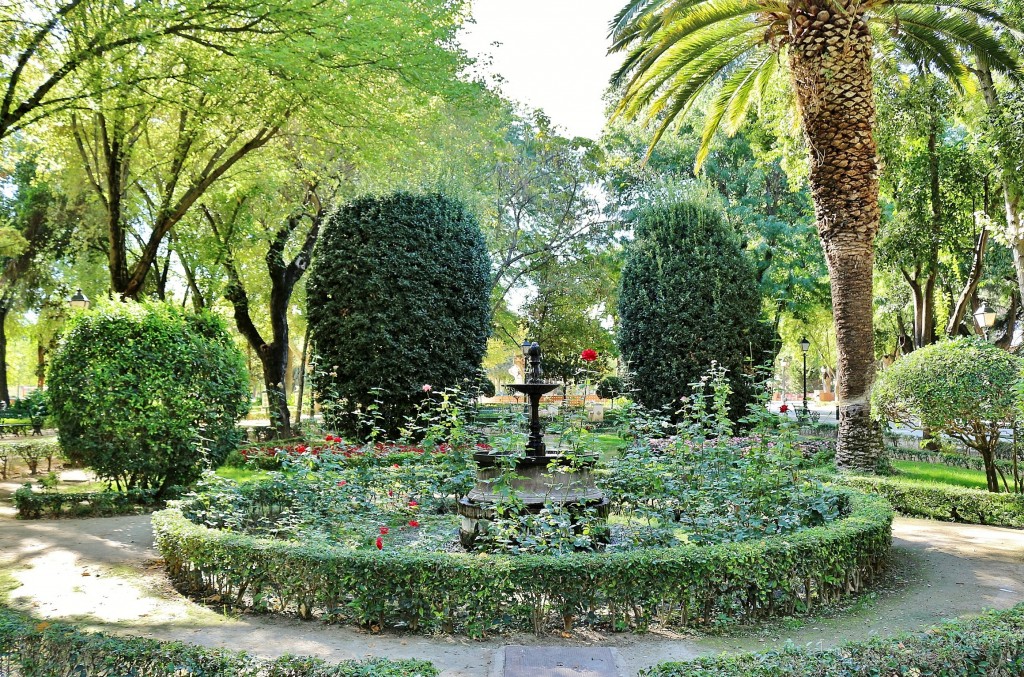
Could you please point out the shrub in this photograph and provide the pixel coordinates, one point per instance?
(682, 586)
(688, 298)
(34, 649)
(32, 452)
(35, 504)
(944, 501)
(399, 298)
(990, 645)
(610, 387)
(144, 394)
(964, 388)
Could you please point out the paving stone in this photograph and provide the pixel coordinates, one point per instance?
(556, 661)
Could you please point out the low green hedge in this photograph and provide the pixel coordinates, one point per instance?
(37, 504)
(944, 501)
(990, 645)
(954, 460)
(677, 587)
(41, 649)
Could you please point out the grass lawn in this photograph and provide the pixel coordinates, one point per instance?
(943, 474)
(241, 475)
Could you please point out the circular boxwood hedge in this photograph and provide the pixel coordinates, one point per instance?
(675, 587)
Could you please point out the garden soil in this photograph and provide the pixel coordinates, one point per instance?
(104, 573)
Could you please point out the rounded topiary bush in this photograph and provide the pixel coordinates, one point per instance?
(147, 394)
(611, 387)
(965, 388)
(688, 298)
(399, 299)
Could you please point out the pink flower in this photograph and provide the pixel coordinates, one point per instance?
(427, 387)
(384, 531)
(395, 466)
(342, 483)
(413, 523)
(588, 355)
(380, 543)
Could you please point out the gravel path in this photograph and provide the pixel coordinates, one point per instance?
(105, 573)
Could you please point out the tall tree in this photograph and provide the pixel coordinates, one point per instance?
(34, 237)
(678, 49)
(151, 148)
(288, 236)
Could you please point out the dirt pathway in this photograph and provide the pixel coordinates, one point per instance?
(105, 573)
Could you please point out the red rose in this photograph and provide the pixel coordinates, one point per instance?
(391, 493)
(395, 466)
(384, 531)
(342, 483)
(413, 504)
(380, 543)
(588, 355)
(413, 523)
(783, 409)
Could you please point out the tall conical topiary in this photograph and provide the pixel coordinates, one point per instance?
(688, 298)
(399, 299)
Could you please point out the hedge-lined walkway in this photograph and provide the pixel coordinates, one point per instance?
(952, 570)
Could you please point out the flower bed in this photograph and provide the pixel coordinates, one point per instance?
(944, 501)
(29, 649)
(680, 586)
(271, 455)
(990, 645)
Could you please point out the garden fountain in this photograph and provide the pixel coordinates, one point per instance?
(541, 478)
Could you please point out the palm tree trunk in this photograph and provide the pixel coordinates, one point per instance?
(830, 59)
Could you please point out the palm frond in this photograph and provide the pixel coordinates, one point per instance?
(625, 17)
(959, 28)
(686, 88)
(652, 85)
(925, 49)
(673, 49)
(983, 9)
(734, 97)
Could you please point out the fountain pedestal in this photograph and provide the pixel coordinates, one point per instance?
(538, 483)
(541, 478)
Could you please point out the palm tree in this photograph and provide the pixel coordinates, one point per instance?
(676, 50)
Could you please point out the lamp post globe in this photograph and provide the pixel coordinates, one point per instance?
(985, 319)
(79, 301)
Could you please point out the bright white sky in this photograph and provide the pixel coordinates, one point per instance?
(551, 55)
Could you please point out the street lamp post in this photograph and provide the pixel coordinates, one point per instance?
(985, 319)
(805, 345)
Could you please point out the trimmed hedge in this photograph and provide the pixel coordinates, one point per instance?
(951, 459)
(42, 649)
(677, 587)
(33, 504)
(944, 501)
(992, 644)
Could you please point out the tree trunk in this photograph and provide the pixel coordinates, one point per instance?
(1006, 340)
(963, 302)
(830, 61)
(1010, 174)
(5, 395)
(302, 374)
(283, 278)
(40, 365)
(275, 364)
(991, 474)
